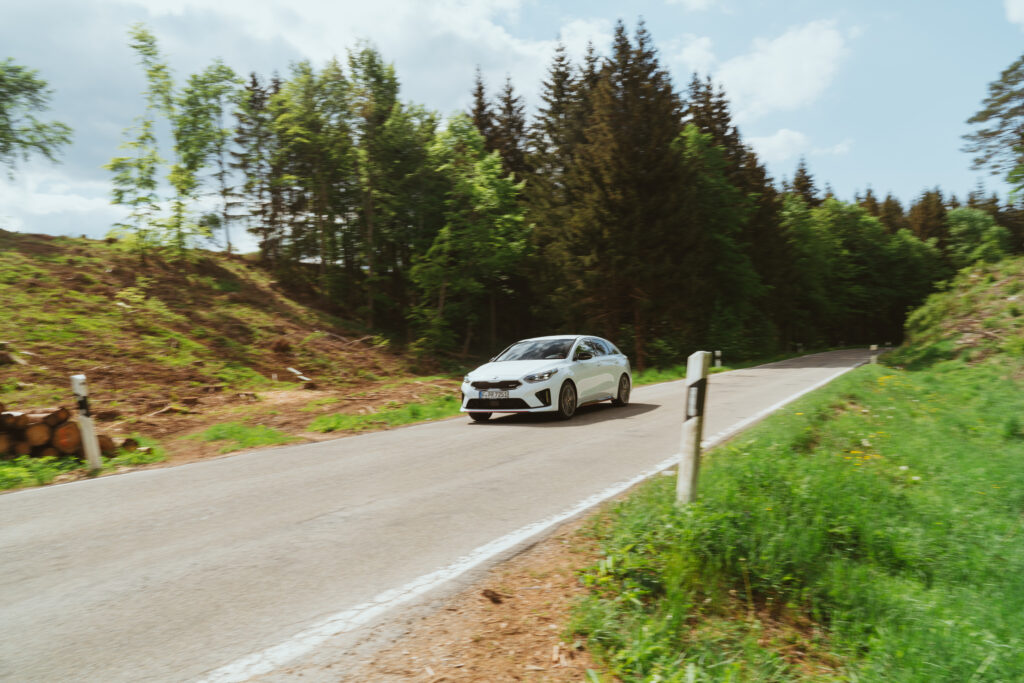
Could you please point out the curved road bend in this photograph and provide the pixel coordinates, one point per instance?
(172, 574)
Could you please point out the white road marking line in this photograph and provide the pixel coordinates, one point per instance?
(302, 643)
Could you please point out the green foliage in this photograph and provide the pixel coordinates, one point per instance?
(996, 141)
(22, 96)
(956, 322)
(240, 436)
(392, 416)
(481, 244)
(974, 236)
(884, 507)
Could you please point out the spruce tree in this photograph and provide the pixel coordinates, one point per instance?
(891, 214)
(510, 137)
(620, 244)
(481, 113)
(927, 217)
(803, 185)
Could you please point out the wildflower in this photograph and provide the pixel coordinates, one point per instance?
(856, 451)
(903, 468)
(799, 413)
(915, 478)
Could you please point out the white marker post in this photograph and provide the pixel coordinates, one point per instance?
(90, 444)
(874, 353)
(693, 428)
(718, 359)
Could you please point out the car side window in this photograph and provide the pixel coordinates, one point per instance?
(584, 347)
(604, 347)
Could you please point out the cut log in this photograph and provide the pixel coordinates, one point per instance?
(37, 434)
(2, 408)
(12, 421)
(57, 417)
(107, 446)
(22, 448)
(66, 438)
(129, 444)
(47, 452)
(5, 443)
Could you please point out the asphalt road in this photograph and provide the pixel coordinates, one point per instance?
(171, 574)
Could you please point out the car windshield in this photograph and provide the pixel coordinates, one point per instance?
(538, 349)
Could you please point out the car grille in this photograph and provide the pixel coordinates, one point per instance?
(496, 404)
(505, 384)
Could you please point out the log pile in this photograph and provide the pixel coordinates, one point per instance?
(53, 433)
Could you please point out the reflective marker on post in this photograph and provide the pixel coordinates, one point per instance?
(90, 444)
(718, 359)
(693, 428)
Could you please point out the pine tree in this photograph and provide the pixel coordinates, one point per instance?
(803, 185)
(927, 217)
(616, 246)
(996, 143)
(891, 214)
(510, 137)
(870, 203)
(481, 113)
(22, 95)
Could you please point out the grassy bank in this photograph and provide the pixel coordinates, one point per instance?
(872, 532)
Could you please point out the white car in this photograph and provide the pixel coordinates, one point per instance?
(548, 375)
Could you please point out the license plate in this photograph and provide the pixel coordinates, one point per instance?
(493, 394)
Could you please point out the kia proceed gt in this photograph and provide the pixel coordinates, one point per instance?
(548, 375)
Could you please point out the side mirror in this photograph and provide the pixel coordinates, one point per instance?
(584, 355)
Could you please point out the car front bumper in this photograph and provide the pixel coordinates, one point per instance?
(527, 397)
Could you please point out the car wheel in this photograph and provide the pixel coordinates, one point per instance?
(567, 401)
(480, 417)
(622, 398)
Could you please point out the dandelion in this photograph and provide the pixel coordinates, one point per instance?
(799, 413)
(856, 451)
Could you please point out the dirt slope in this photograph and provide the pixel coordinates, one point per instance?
(171, 347)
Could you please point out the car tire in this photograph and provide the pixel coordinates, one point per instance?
(622, 398)
(566, 401)
(480, 417)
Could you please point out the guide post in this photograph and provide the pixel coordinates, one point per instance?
(693, 427)
(90, 444)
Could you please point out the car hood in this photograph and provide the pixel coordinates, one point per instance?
(512, 369)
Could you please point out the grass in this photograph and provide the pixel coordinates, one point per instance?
(876, 524)
(392, 416)
(25, 471)
(238, 435)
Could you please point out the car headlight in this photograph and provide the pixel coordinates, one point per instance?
(540, 376)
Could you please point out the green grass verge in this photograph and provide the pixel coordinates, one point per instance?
(239, 435)
(886, 508)
(392, 416)
(24, 471)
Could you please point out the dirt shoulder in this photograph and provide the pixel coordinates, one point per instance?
(508, 625)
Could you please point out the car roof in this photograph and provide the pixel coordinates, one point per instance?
(553, 336)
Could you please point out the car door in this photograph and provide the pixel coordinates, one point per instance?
(609, 372)
(587, 372)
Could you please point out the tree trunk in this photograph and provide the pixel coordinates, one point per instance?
(639, 340)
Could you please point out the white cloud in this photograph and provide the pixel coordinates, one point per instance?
(783, 145)
(578, 32)
(694, 54)
(786, 144)
(1014, 11)
(693, 5)
(785, 73)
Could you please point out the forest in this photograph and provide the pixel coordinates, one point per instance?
(623, 205)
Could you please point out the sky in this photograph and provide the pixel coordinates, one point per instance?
(872, 93)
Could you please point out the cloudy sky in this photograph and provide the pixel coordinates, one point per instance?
(871, 92)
